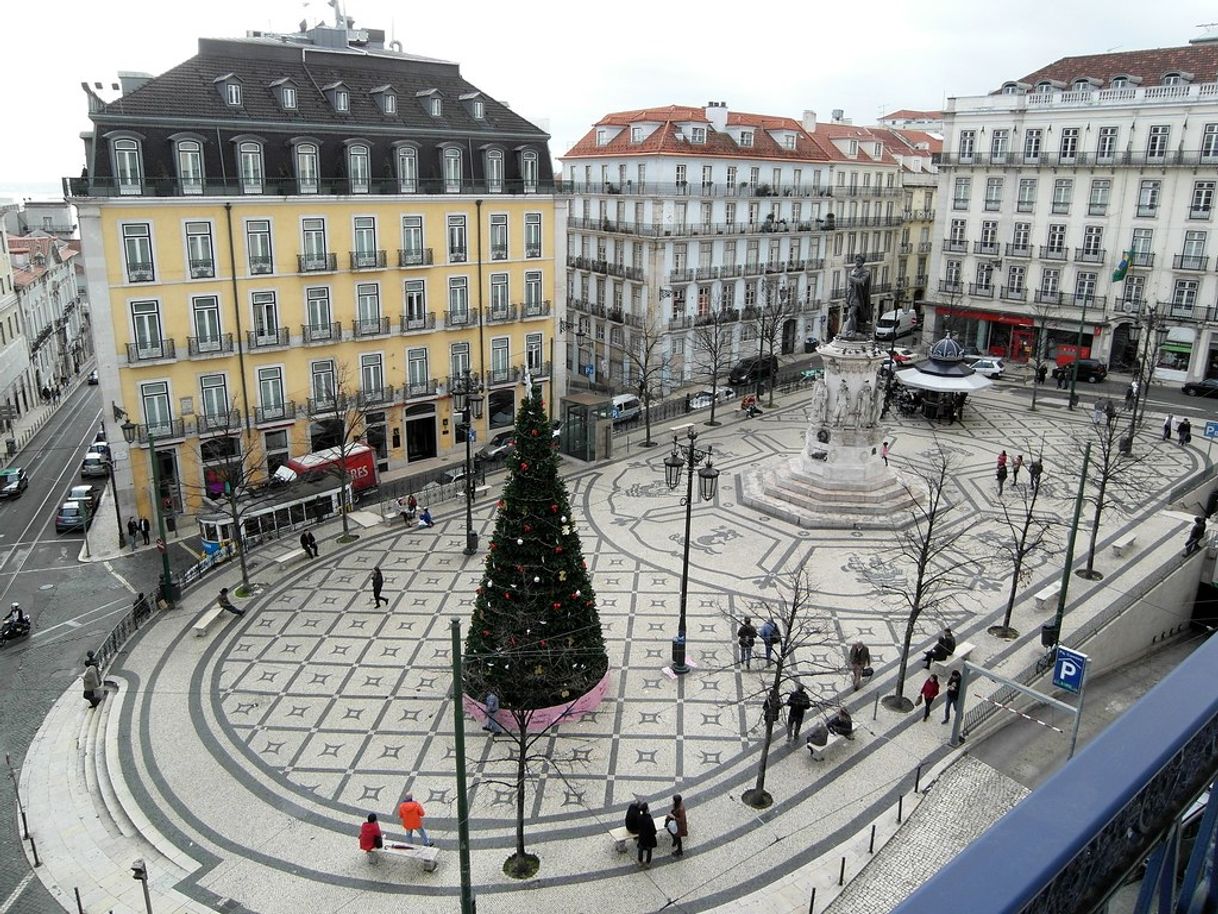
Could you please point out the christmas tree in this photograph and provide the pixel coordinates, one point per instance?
(535, 637)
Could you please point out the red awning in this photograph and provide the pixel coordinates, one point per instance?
(994, 317)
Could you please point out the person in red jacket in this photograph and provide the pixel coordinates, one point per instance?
(370, 834)
(930, 690)
(410, 811)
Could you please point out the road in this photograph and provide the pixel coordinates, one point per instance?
(73, 607)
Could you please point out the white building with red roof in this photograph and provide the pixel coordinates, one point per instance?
(44, 275)
(679, 211)
(1050, 178)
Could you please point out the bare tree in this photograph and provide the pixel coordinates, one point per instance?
(1041, 312)
(1026, 532)
(1113, 473)
(931, 551)
(774, 311)
(802, 627)
(644, 356)
(343, 415)
(713, 349)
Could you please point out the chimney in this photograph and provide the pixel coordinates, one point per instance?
(132, 80)
(809, 121)
(838, 114)
(716, 113)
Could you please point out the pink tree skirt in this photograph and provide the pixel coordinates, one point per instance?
(544, 717)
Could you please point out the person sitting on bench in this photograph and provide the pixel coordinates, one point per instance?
(841, 724)
(425, 518)
(945, 647)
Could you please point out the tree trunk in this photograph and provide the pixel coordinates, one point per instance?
(521, 749)
(239, 540)
(903, 668)
(1006, 619)
(647, 442)
(1095, 525)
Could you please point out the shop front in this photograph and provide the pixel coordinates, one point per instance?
(1175, 355)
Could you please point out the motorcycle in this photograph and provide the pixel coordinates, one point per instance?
(14, 631)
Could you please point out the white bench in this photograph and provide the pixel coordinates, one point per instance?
(206, 620)
(620, 836)
(956, 661)
(1125, 544)
(835, 742)
(289, 557)
(1048, 596)
(424, 854)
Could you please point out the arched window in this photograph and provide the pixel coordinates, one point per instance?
(128, 169)
(452, 170)
(1173, 79)
(494, 171)
(190, 166)
(1120, 82)
(1044, 86)
(306, 168)
(1010, 89)
(528, 171)
(358, 168)
(408, 169)
(249, 161)
(1082, 85)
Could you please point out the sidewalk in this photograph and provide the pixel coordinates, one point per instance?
(239, 764)
(28, 423)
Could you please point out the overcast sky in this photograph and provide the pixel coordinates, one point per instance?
(563, 65)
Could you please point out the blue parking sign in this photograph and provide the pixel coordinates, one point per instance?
(1211, 430)
(1069, 669)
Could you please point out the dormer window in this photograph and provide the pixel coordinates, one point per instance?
(1120, 82)
(1173, 79)
(479, 109)
(602, 137)
(697, 135)
(746, 138)
(386, 99)
(853, 147)
(229, 86)
(342, 100)
(232, 94)
(1010, 89)
(879, 150)
(1044, 86)
(435, 106)
(287, 98)
(636, 134)
(788, 141)
(1082, 85)
(390, 104)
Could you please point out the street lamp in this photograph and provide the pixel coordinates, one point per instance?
(892, 357)
(1156, 331)
(168, 591)
(686, 456)
(468, 400)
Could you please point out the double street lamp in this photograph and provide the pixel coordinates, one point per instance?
(686, 457)
(168, 591)
(467, 398)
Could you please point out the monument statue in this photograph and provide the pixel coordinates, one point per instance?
(842, 407)
(820, 402)
(866, 406)
(858, 297)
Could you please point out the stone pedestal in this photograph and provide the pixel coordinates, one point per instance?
(839, 479)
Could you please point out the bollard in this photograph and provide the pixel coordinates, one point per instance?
(812, 901)
(841, 873)
(34, 848)
(79, 907)
(25, 826)
(917, 778)
(875, 708)
(871, 843)
(900, 804)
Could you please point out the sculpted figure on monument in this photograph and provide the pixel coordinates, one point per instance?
(866, 406)
(841, 407)
(820, 402)
(858, 297)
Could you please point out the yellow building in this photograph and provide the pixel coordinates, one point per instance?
(281, 222)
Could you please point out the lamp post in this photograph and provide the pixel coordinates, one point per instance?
(1078, 348)
(580, 326)
(1157, 333)
(118, 515)
(467, 397)
(892, 356)
(687, 457)
(168, 591)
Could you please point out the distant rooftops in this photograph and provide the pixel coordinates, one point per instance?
(1151, 67)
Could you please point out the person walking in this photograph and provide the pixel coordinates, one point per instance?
(1002, 477)
(312, 544)
(1184, 432)
(304, 544)
(411, 812)
(926, 697)
(1167, 424)
(771, 638)
(227, 604)
(860, 662)
(1129, 394)
(647, 836)
(145, 529)
(676, 825)
(746, 637)
(1002, 459)
(91, 683)
(1195, 536)
(133, 530)
(1016, 466)
(370, 837)
(884, 452)
(1035, 469)
(952, 695)
(378, 583)
(798, 702)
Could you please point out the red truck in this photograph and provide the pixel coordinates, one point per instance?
(361, 465)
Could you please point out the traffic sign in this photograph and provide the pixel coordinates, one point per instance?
(1069, 669)
(1211, 429)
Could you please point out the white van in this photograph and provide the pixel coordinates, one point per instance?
(625, 407)
(895, 324)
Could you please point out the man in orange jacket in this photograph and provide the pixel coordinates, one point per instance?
(410, 811)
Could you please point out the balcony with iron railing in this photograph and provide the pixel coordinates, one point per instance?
(951, 286)
(1148, 210)
(1018, 250)
(500, 314)
(417, 323)
(414, 257)
(163, 430)
(905, 247)
(375, 396)
(1048, 297)
(260, 265)
(1060, 207)
(1142, 259)
(986, 248)
(535, 309)
(268, 338)
(86, 187)
(203, 268)
(330, 404)
(1189, 262)
(955, 245)
(540, 370)
(684, 275)
(316, 263)
(1089, 300)
(218, 423)
(499, 252)
(275, 412)
(420, 390)
(150, 350)
(706, 189)
(362, 328)
(458, 255)
(140, 271)
(465, 317)
(496, 377)
(321, 333)
(1025, 206)
(1199, 212)
(921, 279)
(207, 347)
(1013, 293)
(1089, 255)
(367, 260)
(1186, 309)
(1048, 252)
(980, 290)
(532, 251)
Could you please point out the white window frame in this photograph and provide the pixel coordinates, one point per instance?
(128, 156)
(452, 169)
(532, 235)
(258, 229)
(189, 159)
(359, 168)
(137, 236)
(494, 171)
(408, 169)
(308, 168)
(457, 239)
(250, 170)
(200, 251)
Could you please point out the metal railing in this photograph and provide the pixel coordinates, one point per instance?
(220, 422)
(415, 324)
(1189, 262)
(421, 257)
(376, 326)
(316, 263)
(267, 338)
(206, 346)
(141, 611)
(281, 187)
(465, 318)
(151, 351)
(202, 269)
(500, 314)
(535, 309)
(172, 428)
(367, 260)
(276, 412)
(321, 333)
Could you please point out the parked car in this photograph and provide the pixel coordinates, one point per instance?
(86, 495)
(499, 447)
(93, 377)
(704, 398)
(71, 516)
(455, 474)
(94, 465)
(902, 354)
(625, 407)
(13, 482)
(1206, 387)
(989, 366)
(1090, 370)
(749, 371)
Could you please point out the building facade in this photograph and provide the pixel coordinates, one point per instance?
(678, 211)
(1050, 178)
(17, 389)
(286, 222)
(52, 322)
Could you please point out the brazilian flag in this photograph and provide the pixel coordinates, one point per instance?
(1123, 267)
